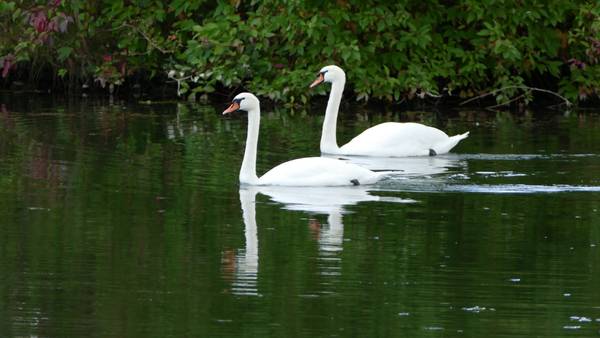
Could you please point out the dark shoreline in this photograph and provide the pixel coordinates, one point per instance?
(167, 94)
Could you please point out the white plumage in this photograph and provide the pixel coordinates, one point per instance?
(309, 171)
(390, 139)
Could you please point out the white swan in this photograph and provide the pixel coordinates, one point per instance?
(309, 171)
(389, 139)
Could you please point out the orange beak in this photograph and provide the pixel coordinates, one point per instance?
(232, 108)
(318, 81)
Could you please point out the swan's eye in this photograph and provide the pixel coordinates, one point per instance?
(238, 100)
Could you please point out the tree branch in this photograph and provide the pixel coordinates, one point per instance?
(150, 41)
(506, 103)
(566, 101)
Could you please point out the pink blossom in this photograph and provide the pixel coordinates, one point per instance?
(577, 63)
(39, 21)
(7, 64)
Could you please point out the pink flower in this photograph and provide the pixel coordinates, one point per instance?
(107, 58)
(7, 64)
(39, 21)
(577, 63)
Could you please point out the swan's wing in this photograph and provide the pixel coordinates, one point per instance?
(395, 139)
(318, 171)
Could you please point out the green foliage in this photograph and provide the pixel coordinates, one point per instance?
(390, 50)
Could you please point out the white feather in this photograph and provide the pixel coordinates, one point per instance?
(309, 171)
(390, 139)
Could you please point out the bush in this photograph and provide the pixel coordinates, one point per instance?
(390, 50)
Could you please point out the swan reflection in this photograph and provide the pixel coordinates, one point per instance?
(330, 201)
(408, 166)
(322, 200)
(245, 261)
(242, 264)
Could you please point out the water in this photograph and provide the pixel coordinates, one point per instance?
(127, 220)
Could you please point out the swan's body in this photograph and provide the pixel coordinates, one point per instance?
(309, 171)
(390, 139)
(318, 171)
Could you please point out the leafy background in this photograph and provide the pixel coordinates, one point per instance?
(391, 51)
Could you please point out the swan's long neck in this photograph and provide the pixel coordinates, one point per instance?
(328, 138)
(248, 171)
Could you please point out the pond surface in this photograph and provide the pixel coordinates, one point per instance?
(127, 220)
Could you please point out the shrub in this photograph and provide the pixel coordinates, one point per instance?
(390, 50)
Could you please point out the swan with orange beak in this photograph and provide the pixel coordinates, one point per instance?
(389, 139)
(307, 171)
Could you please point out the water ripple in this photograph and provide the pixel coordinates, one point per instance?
(441, 185)
(520, 188)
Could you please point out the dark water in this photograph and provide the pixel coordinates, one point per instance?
(127, 220)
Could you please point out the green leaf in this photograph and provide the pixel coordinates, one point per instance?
(7, 6)
(64, 53)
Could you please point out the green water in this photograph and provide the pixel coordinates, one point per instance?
(127, 220)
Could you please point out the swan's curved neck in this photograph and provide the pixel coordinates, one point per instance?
(328, 135)
(248, 170)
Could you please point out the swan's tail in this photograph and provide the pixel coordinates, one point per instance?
(460, 137)
(450, 143)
